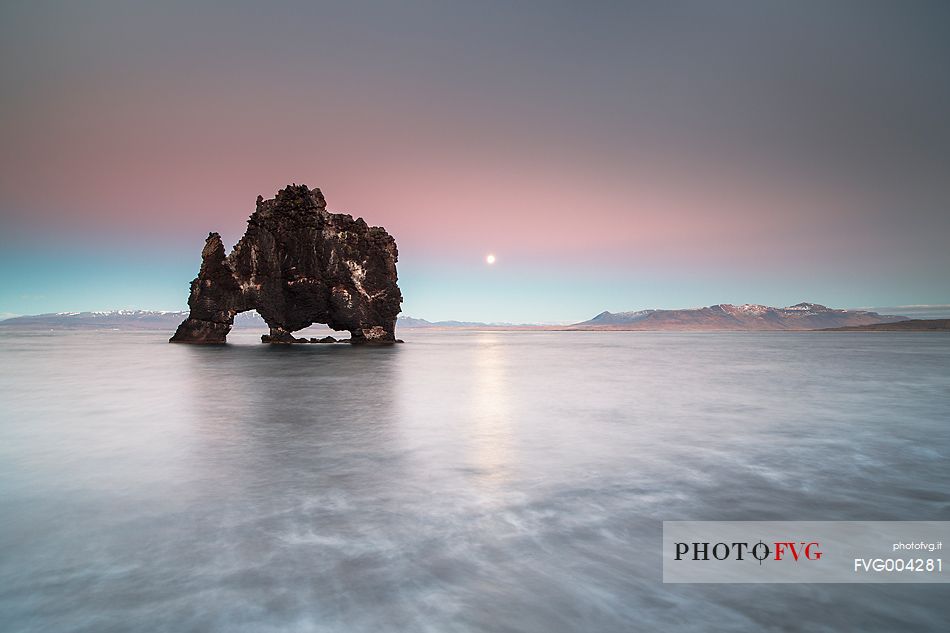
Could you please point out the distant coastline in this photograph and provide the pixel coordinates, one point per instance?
(913, 325)
(717, 318)
(720, 317)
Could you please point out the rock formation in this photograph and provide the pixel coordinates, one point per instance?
(297, 264)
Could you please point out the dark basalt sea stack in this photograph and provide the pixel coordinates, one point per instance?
(297, 264)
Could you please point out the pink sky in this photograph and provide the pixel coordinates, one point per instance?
(632, 164)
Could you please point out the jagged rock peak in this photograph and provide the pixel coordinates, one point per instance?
(297, 264)
(299, 198)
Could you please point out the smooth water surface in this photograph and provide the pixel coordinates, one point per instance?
(464, 481)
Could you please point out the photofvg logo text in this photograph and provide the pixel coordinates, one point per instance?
(803, 551)
(760, 551)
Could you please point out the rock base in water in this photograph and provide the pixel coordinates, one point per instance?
(288, 339)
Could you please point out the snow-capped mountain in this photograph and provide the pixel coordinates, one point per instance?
(118, 319)
(801, 316)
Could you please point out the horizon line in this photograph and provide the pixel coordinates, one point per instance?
(913, 307)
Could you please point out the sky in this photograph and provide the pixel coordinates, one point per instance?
(611, 155)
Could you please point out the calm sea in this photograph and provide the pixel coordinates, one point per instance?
(464, 481)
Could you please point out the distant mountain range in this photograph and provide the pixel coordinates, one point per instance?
(119, 319)
(802, 316)
(165, 319)
(412, 322)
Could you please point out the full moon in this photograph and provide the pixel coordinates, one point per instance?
(490, 259)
